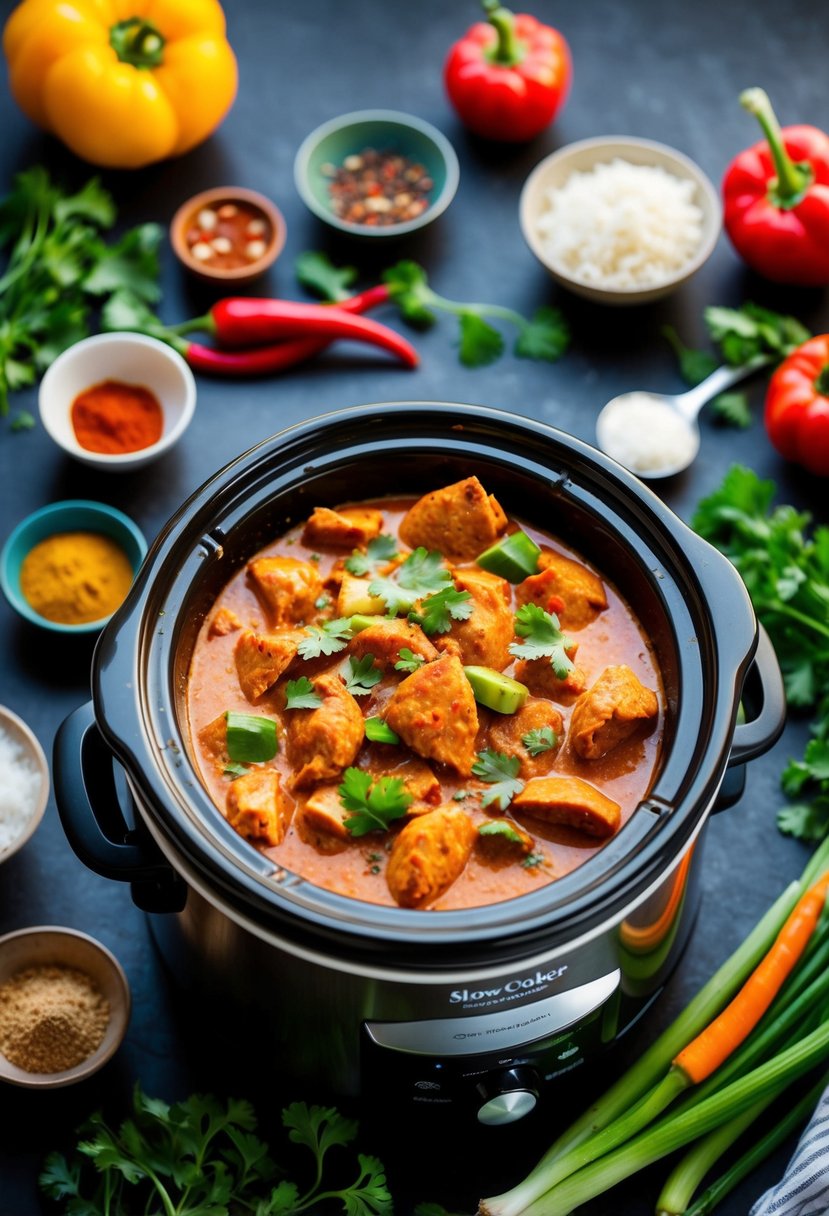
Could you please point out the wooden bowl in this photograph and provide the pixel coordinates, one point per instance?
(46, 945)
(185, 221)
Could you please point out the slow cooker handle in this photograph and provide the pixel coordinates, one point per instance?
(89, 808)
(752, 739)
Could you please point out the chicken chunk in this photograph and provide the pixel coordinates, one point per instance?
(609, 712)
(262, 658)
(287, 587)
(433, 710)
(386, 639)
(256, 806)
(321, 742)
(483, 639)
(460, 521)
(345, 529)
(324, 812)
(508, 730)
(213, 739)
(428, 855)
(541, 679)
(418, 779)
(567, 588)
(224, 622)
(505, 846)
(571, 802)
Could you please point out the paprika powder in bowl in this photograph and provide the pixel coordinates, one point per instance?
(69, 566)
(117, 401)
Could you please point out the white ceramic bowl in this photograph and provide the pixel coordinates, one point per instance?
(132, 359)
(582, 157)
(20, 734)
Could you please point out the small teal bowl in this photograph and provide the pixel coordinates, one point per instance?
(71, 515)
(386, 130)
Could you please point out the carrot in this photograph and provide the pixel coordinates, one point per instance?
(704, 1054)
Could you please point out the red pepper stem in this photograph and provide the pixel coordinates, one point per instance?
(508, 50)
(822, 382)
(793, 180)
(205, 323)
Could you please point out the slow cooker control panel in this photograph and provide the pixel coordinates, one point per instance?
(492, 1067)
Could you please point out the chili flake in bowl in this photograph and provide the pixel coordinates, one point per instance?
(227, 234)
(376, 173)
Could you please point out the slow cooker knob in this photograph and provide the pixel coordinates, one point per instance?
(508, 1096)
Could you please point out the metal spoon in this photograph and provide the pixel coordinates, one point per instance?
(674, 417)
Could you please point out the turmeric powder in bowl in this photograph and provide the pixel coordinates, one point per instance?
(73, 578)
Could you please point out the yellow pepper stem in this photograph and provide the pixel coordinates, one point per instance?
(138, 42)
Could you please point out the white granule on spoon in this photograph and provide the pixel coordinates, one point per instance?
(19, 789)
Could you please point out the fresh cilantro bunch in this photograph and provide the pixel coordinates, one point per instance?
(421, 574)
(545, 335)
(58, 268)
(749, 334)
(200, 1157)
(786, 572)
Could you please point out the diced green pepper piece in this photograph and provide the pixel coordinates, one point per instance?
(514, 557)
(361, 621)
(378, 732)
(250, 739)
(495, 690)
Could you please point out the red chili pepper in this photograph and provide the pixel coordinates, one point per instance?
(797, 406)
(776, 197)
(509, 76)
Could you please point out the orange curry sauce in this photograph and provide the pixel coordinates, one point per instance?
(357, 867)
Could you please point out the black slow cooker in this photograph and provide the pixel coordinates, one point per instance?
(478, 1009)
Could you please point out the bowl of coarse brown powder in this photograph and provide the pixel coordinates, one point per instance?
(64, 1006)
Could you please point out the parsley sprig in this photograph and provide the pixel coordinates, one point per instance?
(786, 572)
(408, 661)
(202, 1155)
(501, 773)
(362, 675)
(328, 638)
(301, 694)
(379, 551)
(539, 741)
(545, 335)
(542, 639)
(58, 266)
(373, 804)
(422, 573)
(502, 828)
(438, 611)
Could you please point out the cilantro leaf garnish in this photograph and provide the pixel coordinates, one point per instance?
(439, 610)
(420, 574)
(322, 601)
(539, 741)
(362, 675)
(532, 860)
(694, 365)
(374, 804)
(543, 639)
(379, 551)
(480, 343)
(500, 827)
(301, 694)
(545, 336)
(408, 661)
(318, 274)
(731, 409)
(325, 639)
(233, 770)
(501, 774)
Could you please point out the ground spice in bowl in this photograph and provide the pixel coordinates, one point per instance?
(52, 1018)
(115, 418)
(75, 577)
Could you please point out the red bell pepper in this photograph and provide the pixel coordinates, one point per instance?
(509, 76)
(797, 406)
(776, 197)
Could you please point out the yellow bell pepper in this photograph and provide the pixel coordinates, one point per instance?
(122, 82)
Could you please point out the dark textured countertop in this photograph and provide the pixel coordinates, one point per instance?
(665, 72)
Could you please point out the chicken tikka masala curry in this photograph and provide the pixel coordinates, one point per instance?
(423, 704)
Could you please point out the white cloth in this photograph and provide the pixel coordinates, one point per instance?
(804, 1188)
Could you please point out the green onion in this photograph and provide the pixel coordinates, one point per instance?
(514, 557)
(250, 738)
(378, 732)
